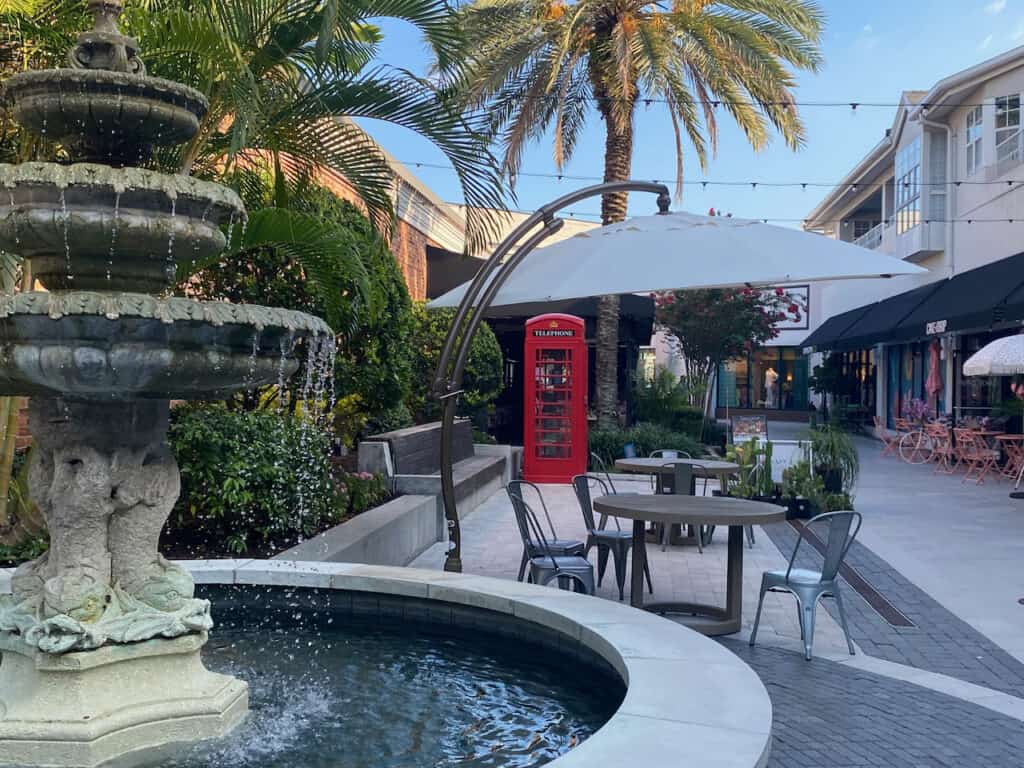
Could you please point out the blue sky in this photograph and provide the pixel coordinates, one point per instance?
(873, 49)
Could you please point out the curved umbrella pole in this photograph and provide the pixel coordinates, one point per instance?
(470, 313)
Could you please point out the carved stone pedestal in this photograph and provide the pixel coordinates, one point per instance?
(120, 705)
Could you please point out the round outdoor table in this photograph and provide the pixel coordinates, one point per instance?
(679, 509)
(710, 468)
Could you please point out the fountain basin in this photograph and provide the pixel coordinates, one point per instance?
(99, 346)
(92, 227)
(684, 694)
(105, 116)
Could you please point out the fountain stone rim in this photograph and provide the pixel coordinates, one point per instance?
(656, 658)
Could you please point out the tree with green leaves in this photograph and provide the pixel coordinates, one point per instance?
(711, 326)
(286, 81)
(543, 67)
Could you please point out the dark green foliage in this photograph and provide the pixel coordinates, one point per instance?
(483, 380)
(376, 361)
(374, 357)
(24, 551)
(834, 451)
(361, 491)
(389, 420)
(250, 480)
(666, 401)
(610, 444)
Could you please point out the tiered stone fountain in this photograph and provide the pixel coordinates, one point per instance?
(100, 643)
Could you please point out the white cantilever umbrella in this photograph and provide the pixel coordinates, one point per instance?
(1002, 357)
(675, 251)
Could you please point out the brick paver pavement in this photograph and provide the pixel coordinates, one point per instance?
(828, 715)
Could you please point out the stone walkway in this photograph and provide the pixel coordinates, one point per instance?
(829, 715)
(948, 690)
(492, 547)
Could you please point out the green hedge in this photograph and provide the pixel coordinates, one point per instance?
(250, 480)
(610, 444)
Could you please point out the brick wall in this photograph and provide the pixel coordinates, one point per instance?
(410, 248)
(408, 244)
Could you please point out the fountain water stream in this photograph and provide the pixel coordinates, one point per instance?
(101, 639)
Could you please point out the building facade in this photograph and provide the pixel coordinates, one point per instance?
(943, 190)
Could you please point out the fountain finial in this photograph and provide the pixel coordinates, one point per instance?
(104, 47)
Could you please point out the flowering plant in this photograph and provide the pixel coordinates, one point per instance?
(915, 409)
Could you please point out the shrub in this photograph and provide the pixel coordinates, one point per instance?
(389, 420)
(610, 444)
(29, 549)
(665, 401)
(361, 491)
(483, 379)
(257, 479)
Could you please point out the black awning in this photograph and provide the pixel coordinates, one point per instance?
(976, 299)
(1012, 308)
(826, 334)
(878, 324)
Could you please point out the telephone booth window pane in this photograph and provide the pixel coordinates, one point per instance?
(552, 409)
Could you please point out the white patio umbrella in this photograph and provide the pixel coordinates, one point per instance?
(675, 251)
(1002, 357)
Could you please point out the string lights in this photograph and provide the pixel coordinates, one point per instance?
(853, 106)
(852, 188)
(819, 223)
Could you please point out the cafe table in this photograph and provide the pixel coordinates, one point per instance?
(685, 510)
(667, 467)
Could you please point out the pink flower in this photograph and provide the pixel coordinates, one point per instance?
(779, 292)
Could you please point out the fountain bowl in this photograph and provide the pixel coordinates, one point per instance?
(103, 347)
(105, 116)
(680, 687)
(92, 227)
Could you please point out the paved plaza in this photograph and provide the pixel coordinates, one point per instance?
(938, 679)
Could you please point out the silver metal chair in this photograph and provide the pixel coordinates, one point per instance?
(810, 586)
(601, 468)
(666, 530)
(516, 490)
(658, 482)
(616, 542)
(570, 571)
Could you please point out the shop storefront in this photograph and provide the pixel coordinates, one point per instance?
(922, 338)
(770, 379)
(979, 397)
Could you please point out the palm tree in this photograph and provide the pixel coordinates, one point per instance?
(540, 66)
(285, 79)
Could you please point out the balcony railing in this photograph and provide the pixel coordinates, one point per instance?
(1009, 153)
(872, 238)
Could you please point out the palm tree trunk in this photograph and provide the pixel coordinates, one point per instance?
(618, 156)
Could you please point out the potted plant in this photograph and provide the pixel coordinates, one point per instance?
(801, 491)
(755, 473)
(835, 459)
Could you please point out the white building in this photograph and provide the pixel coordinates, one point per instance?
(941, 189)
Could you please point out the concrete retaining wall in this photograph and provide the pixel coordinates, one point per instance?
(391, 534)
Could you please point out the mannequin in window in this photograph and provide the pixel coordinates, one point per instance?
(771, 378)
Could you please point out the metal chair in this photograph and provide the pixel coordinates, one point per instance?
(545, 566)
(809, 586)
(617, 543)
(601, 467)
(659, 484)
(890, 440)
(975, 454)
(558, 547)
(666, 530)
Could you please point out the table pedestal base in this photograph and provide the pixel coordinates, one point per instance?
(707, 619)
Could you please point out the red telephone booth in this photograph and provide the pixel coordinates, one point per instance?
(555, 391)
